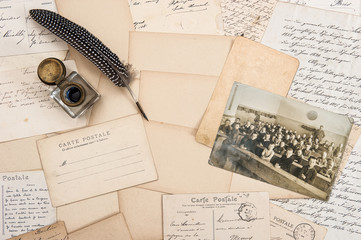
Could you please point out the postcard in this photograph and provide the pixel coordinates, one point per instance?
(96, 160)
(112, 228)
(56, 231)
(26, 107)
(289, 226)
(25, 203)
(217, 216)
(20, 34)
(280, 141)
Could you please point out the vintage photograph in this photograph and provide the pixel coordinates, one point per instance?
(280, 141)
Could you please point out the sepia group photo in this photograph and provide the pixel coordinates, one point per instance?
(280, 141)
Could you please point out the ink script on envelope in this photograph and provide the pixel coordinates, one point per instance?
(97, 160)
(216, 216)
(55, 231)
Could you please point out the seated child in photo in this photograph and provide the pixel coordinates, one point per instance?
(308, 173)
(285, 161)
(268, 153)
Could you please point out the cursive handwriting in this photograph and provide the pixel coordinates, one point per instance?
(26, 204)
(246, 18)
(326, 78)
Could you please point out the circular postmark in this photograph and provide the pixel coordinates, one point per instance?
(247, 211)
(304, 231)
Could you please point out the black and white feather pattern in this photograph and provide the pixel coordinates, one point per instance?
(84, 42)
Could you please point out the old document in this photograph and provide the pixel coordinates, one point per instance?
(289, 226)
(56, 231)
(327, 78)
(21, 35)
(173, 16)
(25, 203)
(246, 18)
(97, 160)
(346, 6)
(112, 228)
(26, 107)
(216, 216)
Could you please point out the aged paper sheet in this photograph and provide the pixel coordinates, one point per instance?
(112, 228)
(249, 63)
(176, 98)
(289, 226)
(115, 102)
(56, 231)
(144, 216)
(246, 18)
(216, 216)
(25, 203)
(191, 52)
(326, 78)
(97, 160)
(346, 6)
(21, 35)
(171, 16)
(89, 211)
(26, 107)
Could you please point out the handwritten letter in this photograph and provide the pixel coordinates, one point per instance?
(246, 18)
(21, 35)
(55, 231)
(329, 49)
(26, 108)
(25, 203)
(231, 216)
(346, 6)
(177, 16)
(97, 160)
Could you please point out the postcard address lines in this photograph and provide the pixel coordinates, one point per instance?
(103, 165)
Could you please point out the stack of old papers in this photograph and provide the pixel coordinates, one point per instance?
(112, 175)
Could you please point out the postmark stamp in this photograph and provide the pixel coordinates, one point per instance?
(247, 212)
(304, 231)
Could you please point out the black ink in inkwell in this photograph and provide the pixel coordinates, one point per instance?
(73, 93)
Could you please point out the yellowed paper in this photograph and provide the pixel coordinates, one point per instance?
(96, 160)
(144, 216)
(25, 203)
(249, 63)
(289, 226)
(112, 228)
(56, 231)
(196, 16)
(179, 53)
(216, 216)
(26, 107)
(176, 98)
(115, 102)
(83, 213)
(181, 162)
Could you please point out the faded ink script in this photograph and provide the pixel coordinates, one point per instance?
(25, 203)
(21, 35)
(231, 216)
(26, 108)
(328, 77)
(246, 18)
(347, 6)
(187, 16)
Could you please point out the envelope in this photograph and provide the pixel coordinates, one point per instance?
(83, 213)
(114, 227)
(143, 211)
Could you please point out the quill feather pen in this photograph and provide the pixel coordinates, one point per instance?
(89, 46)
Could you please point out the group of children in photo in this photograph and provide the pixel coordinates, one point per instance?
(282, 147)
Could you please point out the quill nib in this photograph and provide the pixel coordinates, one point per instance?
(125, 81)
